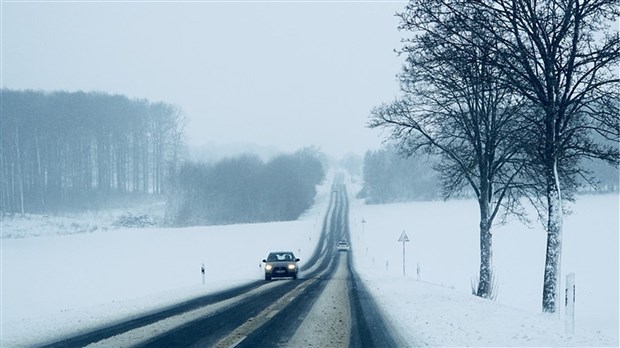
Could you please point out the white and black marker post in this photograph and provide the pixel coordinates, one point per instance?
(569, 302)
(403, 238)
(202, 270)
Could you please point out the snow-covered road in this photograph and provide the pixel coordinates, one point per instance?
(328, 324)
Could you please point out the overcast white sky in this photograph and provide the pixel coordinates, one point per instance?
(283, 74)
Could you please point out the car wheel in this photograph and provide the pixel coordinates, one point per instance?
(267, 277)
(295, 276)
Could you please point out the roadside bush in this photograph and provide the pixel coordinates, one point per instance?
(135, 220)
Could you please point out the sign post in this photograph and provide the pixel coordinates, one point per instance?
(403, 238)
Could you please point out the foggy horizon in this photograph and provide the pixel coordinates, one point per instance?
(285, 75)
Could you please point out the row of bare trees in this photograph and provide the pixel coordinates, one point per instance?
(74, 151)
(512, 94)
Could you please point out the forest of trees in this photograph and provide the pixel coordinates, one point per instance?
(76, 151)
(388, 177)
(245, 189)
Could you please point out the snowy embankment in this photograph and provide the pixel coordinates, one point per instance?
(59, 284)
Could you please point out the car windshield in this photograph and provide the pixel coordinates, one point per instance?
(273, 257)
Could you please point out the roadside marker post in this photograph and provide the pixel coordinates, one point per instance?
(418, 271)
(403, 238)
(569, 303)
(202, 270)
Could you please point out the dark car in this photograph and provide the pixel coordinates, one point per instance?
(281, 264)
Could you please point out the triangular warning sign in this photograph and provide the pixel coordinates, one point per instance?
(403, 237)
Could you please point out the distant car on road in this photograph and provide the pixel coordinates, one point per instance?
(343, 245)
(281, 264)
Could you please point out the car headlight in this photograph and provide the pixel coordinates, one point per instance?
(291, 266)
(268, 267)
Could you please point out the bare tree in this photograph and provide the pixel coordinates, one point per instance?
(454, 103)
(562, 56)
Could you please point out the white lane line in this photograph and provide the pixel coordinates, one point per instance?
(236, 343)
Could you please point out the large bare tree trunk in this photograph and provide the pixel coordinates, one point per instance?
(485, 283)
(553, 261)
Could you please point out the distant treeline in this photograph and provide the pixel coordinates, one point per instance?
(388, 177)
(63, 151)
(599, 177)
(245, 189)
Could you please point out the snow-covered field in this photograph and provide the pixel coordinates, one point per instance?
(57, 284)
(444, 243)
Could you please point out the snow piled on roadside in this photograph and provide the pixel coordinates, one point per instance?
(62, 284)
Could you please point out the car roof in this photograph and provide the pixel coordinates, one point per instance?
(281, 253)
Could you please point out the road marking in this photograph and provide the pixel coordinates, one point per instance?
(236, 343)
